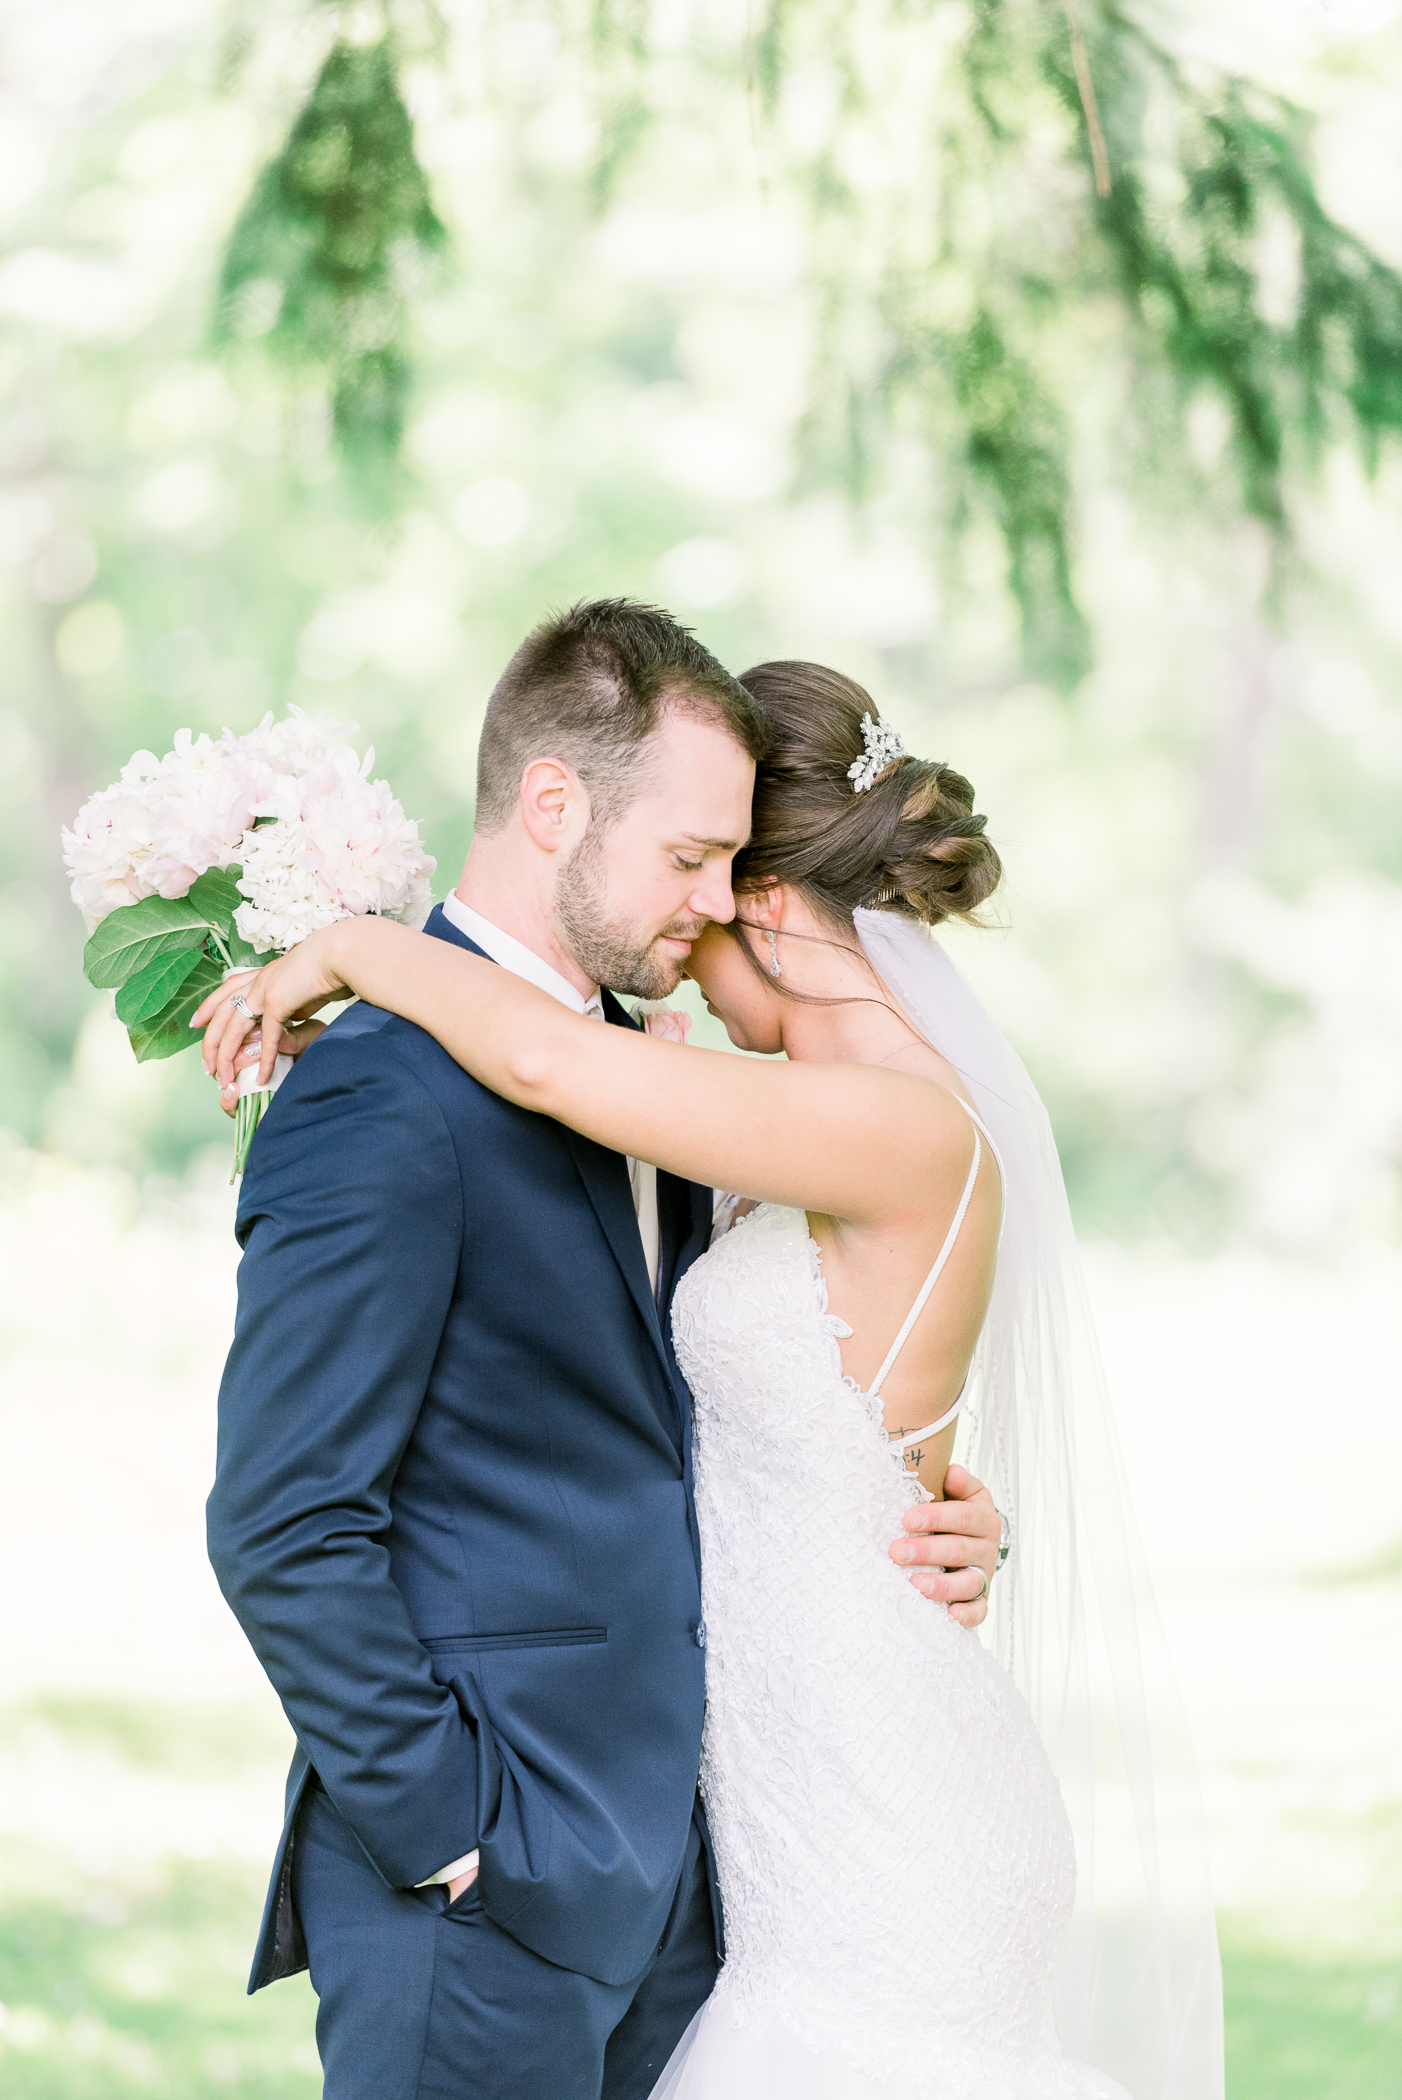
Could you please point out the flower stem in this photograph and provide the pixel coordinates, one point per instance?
(247, 1117)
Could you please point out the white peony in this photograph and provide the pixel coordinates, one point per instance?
(207, 794)
(298, 744)
(339, 845)
(163, 823)
(111, 844)
(334, 842)
(286, 901)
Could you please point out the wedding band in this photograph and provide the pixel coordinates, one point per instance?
(241, 1006)
(984, 1591)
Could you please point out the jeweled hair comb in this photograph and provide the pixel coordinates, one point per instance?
(882, 745)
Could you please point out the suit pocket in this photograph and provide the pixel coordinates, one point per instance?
(550, 1637)
(468, 1904)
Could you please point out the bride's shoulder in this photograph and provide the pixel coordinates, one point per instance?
(918, 1110)
(920, 1086)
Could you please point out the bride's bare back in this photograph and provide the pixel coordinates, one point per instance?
(874, 1275)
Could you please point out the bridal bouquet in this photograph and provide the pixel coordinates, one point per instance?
(224, 853)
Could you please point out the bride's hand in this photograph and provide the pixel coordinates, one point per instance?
(291, 1043)
(283, 992)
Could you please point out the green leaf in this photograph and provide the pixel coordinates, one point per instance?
(244, 956)
(135, 934)
(217, 895)
(170, 1030)
(131, 938)
(221, 897)
(148, 990)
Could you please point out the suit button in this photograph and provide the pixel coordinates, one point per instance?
(699, 1634)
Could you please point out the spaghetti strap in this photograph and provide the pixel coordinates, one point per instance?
(901, 1444)
(934, 1276)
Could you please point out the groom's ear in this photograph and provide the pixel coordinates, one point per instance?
(554, 805)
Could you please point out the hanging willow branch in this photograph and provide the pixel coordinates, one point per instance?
(1049, 160)
(330, 248)
(965, 301)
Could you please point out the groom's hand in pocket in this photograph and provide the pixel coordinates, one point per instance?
(951, 1548)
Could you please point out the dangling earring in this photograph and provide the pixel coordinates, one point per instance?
(776, 968)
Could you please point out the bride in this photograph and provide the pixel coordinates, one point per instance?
(909, 1260)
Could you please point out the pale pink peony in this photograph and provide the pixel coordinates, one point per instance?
(338, 843)
(341, 845)
(163, 823)
(668, 1023)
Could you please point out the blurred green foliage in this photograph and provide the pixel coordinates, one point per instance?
(323, 256)
(945, 286)
(331, 246)
(739, 329)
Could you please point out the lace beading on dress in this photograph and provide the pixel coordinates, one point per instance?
(894, 1857)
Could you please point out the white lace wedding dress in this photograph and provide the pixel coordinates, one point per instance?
(895, 1861)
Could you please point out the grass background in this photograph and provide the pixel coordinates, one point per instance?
(118, 1985)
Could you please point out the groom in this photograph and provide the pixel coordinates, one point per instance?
(453, 1506)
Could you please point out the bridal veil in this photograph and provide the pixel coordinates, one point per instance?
(1072, 1616)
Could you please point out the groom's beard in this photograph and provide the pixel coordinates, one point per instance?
(612, 951)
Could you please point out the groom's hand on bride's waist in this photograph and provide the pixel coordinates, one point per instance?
(951, 1548)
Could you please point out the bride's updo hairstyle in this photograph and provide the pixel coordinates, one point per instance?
(908, 843)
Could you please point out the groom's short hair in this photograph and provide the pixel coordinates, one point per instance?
(590, 687)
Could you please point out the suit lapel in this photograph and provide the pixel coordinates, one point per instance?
(684, 1231)
(605, 1177)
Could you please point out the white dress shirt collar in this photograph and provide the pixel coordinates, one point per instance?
(514, 955)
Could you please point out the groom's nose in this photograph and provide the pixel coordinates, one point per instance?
(713, 897)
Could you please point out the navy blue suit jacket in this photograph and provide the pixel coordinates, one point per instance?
(452, 1509)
